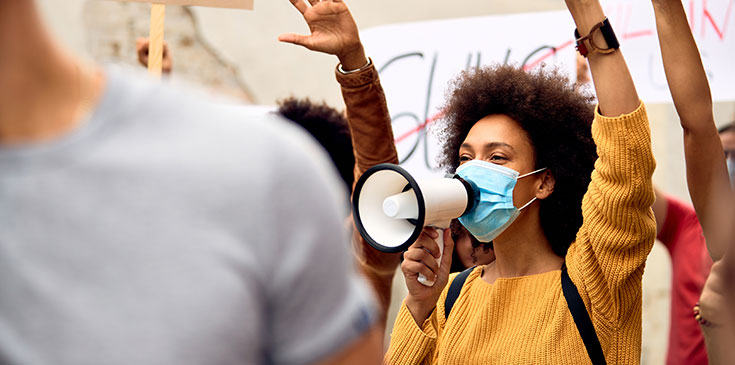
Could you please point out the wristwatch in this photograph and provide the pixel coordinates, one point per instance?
(607, 33)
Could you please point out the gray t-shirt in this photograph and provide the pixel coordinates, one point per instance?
(168, 230)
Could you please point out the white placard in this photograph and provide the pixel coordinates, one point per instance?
(418, 60)
(231, 4)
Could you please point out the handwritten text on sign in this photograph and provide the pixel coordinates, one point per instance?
(417, 61)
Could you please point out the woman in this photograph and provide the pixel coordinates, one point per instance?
(513, 310)
(468, 251)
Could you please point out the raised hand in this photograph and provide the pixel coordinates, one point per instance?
(333, 31)
(142, 45)
(421, 258)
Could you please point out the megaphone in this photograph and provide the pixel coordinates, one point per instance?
(391, 208)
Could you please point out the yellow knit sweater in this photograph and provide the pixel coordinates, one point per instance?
(525, 320)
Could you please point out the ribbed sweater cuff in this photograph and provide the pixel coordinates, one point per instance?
(630, 133)
(409, 343)
(633, 124)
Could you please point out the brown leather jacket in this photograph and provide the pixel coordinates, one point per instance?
(373, 143)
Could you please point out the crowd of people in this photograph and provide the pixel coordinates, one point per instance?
(143, 224)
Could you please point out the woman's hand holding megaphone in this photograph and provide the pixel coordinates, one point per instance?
(421, 258)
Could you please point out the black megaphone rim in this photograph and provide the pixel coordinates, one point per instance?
(356, 211)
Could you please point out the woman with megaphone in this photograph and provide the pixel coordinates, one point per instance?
(571, 231)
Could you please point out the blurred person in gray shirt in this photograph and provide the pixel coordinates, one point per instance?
(142, 225)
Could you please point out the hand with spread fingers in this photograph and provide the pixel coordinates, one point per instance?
(333, 31)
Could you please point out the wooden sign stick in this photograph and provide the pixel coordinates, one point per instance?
(155, 37)
(158, 16)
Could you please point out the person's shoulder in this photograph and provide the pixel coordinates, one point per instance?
(679, 210)
(133, 97)
(186, 119)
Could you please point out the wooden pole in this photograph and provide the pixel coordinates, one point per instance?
(155, 48)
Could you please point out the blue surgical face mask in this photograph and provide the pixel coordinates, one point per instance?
(731, 170)
(494, 211)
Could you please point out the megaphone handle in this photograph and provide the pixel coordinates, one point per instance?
(440, 242)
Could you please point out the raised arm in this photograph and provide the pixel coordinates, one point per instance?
(709, 184)
(613, 84)
(618, 230)
(333, 31)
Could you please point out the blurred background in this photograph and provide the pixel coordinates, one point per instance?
(237, 53)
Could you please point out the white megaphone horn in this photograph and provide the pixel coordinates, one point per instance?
(391, 208)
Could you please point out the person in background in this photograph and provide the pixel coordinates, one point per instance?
(329, 127)
(679, 231)
(727, 137)
(143, 44)
(715, 308)
(468, 251)
(144, 225)
(707, 175)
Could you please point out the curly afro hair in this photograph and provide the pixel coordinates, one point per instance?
(557, 119)
(330, 129)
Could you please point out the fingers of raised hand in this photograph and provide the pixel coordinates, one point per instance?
(297, 39)
(300, 5)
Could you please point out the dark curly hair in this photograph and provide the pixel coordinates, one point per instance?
(727, 127)
(330, 129)
(557, 119)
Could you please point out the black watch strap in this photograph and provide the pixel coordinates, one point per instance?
(609, 34)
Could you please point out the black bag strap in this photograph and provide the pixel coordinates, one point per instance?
(574, 302)
(454, 289)
(581, 318)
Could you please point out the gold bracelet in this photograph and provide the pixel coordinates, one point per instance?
(698, 316)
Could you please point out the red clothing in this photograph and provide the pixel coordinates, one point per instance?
(682, 235)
